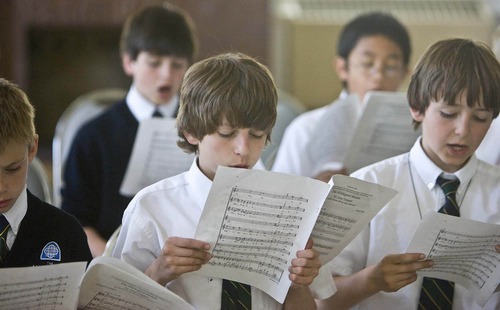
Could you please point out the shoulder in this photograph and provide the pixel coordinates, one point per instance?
(385, 172)
(118, 113)
(306, 121)
(166, 189)
(49, 215)
(488, 171)
(116, 118)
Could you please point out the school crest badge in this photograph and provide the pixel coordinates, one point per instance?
(51, 251)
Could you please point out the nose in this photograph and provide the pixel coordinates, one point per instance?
(241, 145)
(166, 70)
(462, 126)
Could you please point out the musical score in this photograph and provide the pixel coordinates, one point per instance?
(257, 231)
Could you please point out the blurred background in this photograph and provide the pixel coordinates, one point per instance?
(57, 50)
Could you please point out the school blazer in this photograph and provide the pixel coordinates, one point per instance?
(47, 235)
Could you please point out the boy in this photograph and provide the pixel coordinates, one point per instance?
(454, 95)
(373, 52)
(157, 46)
(32, 232)
(227, 110)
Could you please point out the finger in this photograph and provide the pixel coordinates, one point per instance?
(188, 243)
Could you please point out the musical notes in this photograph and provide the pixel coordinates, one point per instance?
(155, 155)
(256, 221)
(463, 251)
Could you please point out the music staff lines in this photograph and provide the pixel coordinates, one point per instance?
(275, 277)
(235, 209)
(262, 251)
(260, 223)
(251, 240)
(103, 301)
(267, 194)
(258, 231)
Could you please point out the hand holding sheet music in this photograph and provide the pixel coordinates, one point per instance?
(257, 220)
(463, 251)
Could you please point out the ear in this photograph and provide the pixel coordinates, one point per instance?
(33, 149)
(416, 115)
(191, 139)
(127, 64)
(340, 66)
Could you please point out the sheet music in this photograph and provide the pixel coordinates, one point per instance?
(348, 208)
(463, 251)
(257, 220)
(155, 155)
(252, 220)
(112, 284)
(384, 130)
(108, 284)
(41, 287)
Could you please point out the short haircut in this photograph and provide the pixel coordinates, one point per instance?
(231, 86)
(450, 67)
(371, 24)
(17, 116)
(160, 29)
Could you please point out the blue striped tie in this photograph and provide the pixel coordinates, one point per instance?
(236, 296)
(437, 293)
(4, 229)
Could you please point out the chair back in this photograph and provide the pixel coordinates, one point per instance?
(38, 180)
(79, 112)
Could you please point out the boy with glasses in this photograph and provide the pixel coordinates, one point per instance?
(373, 52)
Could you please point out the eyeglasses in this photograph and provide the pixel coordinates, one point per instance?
(389, 71)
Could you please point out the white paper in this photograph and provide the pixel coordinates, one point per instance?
(463, 251)
(252, 219)
(257, 220)
(41, 287)
(155, 155)
(384, 130)
(108, 284)
(112, 284)
(348, 208)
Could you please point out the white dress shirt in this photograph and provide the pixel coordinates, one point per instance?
(394, 226)
(15, 216)
(172, 207)
(143, 109)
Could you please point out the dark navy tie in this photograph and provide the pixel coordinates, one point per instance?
(4, 229)
(437, 293)
(236, 296)
(157, 113)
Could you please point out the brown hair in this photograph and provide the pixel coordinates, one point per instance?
(230, 86)
(450, 67)
(161, 30)
(17, 115)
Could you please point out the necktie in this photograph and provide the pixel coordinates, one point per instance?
(236, 296)
(437, 293)
(157, 113)
(4, 228)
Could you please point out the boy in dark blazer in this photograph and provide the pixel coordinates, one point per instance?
(32, 232)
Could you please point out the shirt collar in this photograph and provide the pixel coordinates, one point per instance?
(16, 214)
(201, 184)
(142, 108)
(429, 172)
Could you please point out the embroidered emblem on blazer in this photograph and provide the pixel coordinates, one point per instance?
(51, 251)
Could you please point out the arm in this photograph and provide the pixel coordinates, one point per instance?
(178, 256)
(391, 274)
(96, 243)
(326, 175)
(305, 267)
